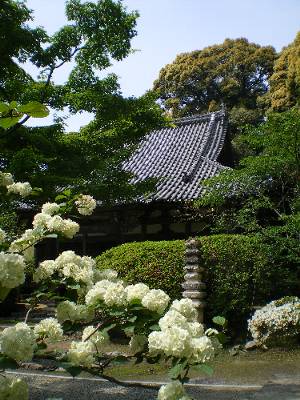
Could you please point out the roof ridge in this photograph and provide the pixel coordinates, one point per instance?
(199, 117)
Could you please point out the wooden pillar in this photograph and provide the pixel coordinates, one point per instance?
(193, 286)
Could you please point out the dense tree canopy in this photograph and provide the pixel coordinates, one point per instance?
(234, 73)
(97, 33)
(285, 82)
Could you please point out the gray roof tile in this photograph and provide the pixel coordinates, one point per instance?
(180, 157)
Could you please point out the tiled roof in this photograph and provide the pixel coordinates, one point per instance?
(181, 157)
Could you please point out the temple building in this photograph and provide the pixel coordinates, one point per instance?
(179, 158)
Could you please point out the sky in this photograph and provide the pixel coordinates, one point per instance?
(169, 27)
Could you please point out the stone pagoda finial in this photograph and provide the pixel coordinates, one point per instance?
(194, 288)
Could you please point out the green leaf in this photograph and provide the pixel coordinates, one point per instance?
(155, 327)
(12, 105)
(72, 370)
(116, 313)
(218, 320)
(6, 362)
(4, 108)
(175, 371)
(208, 370)
(41, 346)
(34, 109)
(8, 122)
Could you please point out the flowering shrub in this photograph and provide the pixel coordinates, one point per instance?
(96, 301)
(276, 322)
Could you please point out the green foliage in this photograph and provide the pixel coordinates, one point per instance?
(234, 73)
(10, 114)
(242, 271)
(265, 186)
(158, 264)
(88, 161)
(285, 82)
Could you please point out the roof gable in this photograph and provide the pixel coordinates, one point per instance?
(181, 157)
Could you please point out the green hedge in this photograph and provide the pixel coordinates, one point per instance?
(159, 264)
(240, 271)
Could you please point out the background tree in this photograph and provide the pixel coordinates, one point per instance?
(89, 160)
(285, 82)
(234, 73)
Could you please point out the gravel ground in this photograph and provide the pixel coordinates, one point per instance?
(48, 387)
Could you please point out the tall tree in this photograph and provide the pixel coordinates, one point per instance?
(97, 33)
(285, 82)
(234, 73)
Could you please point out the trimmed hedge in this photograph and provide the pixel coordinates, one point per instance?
(240, 271)
(159, 264)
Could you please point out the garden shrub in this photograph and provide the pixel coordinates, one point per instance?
(158, 264)
(241, 272)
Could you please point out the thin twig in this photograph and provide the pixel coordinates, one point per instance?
(27, 314)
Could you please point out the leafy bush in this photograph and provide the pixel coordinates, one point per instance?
(159, 264)
(242, 272)
(277, 323)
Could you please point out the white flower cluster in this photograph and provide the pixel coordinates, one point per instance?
(22, 188)
(81, 354)
(6, 179)
(50, 208)
(109, 274)
(97, 338)
(68, 265)
(55, 224)
(181, 335)
(2, 235)
(13, 389)
(172, 391)
(115, 293)
(12, 268)
(85, 204)
(69, 311)
(43, 224)
(18, 342)
(277, 320)
(49, 328)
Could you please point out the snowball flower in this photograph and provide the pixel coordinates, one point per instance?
(136, 292)
(12, 268)
(115, 294)
(156, 300)
(44, 271)
(186, 308)
(49, 328)
(172, 391)
(29, 238)
(85, 204)
(202, 349)
(172, 318)
(137, 343)
(22, 188)
(50, 208)
(81, 269)
(6, 179)
(81, 354)
(2, 235)
(17, 342)
(108, 274)
(97, 292)
(66, 311)
(195, 329)
(172, 342)
(13, 389)
(277, 321)
(98, 338)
